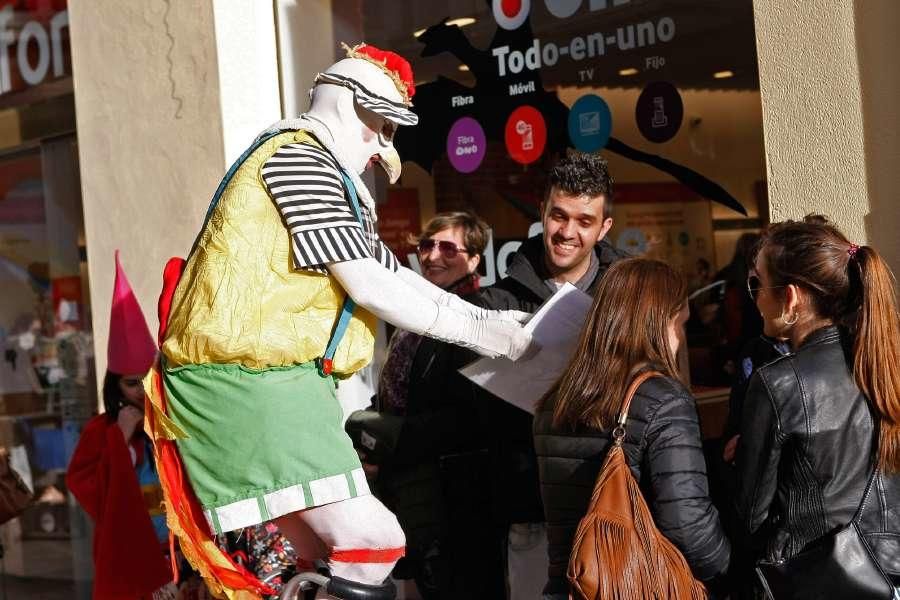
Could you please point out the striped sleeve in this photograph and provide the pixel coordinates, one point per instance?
(306, 186)
(387, 258)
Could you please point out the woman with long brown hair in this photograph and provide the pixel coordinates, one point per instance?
(639, 308)
(818, 421)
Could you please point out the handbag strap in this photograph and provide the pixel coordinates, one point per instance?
(865, 498)
(618, 433)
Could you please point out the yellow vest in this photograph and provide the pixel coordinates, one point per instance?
(240, 301)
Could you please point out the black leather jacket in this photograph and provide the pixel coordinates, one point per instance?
(665, 453)
(808, 440)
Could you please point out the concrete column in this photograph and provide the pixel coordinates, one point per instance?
(306, 46)
(829, 85)
(167, 93)
(877, 23)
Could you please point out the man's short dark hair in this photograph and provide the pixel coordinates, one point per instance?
(581, 174)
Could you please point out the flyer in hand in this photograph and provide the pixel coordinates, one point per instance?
(555, 327)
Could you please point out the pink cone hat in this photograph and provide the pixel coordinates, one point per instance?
(131, 349)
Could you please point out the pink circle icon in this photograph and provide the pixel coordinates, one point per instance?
(466, 145)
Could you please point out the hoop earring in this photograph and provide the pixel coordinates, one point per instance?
(786, 322)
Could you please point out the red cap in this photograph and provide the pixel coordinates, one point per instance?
(131, 349)
(397, 67)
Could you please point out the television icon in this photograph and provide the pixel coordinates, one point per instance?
(589, 123)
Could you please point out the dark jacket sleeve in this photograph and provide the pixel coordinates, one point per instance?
(679, 491)
(497, 298)
(444, 423)
(759, 453)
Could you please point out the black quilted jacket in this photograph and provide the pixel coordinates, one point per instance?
(665, 453)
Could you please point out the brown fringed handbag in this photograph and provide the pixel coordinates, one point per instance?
(618, 551)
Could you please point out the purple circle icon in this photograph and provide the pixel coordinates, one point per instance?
(466, 145)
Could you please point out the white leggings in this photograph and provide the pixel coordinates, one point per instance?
(361, 523)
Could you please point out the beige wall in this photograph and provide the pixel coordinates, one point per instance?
(829, 84)
(878, 46)
(166, 93)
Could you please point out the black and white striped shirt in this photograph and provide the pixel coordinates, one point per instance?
(306, 184)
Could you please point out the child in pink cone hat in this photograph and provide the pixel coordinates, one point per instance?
(112, 472)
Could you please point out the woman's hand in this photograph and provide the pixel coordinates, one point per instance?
(730, 449)
(129, 417)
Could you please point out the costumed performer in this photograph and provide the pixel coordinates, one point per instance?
(276, 302)
(113, 474)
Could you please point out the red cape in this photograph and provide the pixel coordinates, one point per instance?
(128, 562)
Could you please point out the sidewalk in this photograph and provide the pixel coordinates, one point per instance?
(20, 588)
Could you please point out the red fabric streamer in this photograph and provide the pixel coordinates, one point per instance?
(368, 555)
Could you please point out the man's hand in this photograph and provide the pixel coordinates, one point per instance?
(129, 418)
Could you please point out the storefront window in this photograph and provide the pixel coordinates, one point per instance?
(47, 382)
(667, 91)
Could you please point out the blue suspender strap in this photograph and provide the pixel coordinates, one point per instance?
(340, 328)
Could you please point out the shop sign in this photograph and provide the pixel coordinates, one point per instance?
(511, 14)
(33, 66)
(547, 54)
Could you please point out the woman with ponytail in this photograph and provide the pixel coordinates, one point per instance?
(819, 421)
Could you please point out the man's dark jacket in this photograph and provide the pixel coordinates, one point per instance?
(516, 494)
(432, 478)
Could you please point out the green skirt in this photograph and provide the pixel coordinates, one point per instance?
(261, 443)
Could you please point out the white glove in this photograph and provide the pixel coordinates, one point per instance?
(476, 312)
(445, 298)
(391, 298)
(497, 334)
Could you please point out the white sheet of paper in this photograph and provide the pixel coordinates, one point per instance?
(556, 327)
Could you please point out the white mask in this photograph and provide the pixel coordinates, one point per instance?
(362, 108)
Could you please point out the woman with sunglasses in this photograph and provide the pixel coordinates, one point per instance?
(423, 437)
(819, 420)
